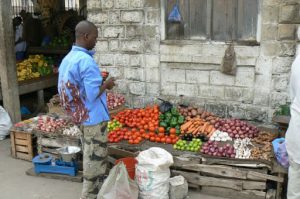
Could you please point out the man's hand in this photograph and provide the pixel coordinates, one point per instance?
(110, 83)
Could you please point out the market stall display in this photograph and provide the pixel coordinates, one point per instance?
(232, 155)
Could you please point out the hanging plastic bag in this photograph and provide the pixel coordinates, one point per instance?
(165, 106)
(175, 16)
(228, 65)
(5, 123)
(118, 184)
(281, 152)
(153, 173)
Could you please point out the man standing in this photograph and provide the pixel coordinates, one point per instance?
(293, 133)
(20, 43)
(83, 96)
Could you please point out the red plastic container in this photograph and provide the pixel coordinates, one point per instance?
(130, 163)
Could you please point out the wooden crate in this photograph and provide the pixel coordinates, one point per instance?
(22, 145)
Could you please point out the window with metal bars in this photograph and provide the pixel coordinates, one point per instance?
(217, 20)
(28, 6)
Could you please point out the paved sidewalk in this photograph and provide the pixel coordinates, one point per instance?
(15, 184)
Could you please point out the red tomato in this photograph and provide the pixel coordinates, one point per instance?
(163, 140)
(168, 140)
(157, 139)
(152, 139)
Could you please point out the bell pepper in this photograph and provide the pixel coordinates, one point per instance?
(168, 115)
(173, 122)
(161, 117)
(163, 124)
(174, 111)
(180, 119)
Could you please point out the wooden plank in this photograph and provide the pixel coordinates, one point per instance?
(20, 135)
(21, 142)
(30, 149)
(120, 153)
(45, 50)
(23, 149)
(230, 193)
(58, 142)
(198, 19)
(210, 181)
(265, 176)
(237, 162)
(279, 187)
(8, 73)
(254, 185)
(77, 178)
(224, 171)
(13, 144)
(23, 156)
(247, 19)
(223, 20)
(281, 119)
(180, 161)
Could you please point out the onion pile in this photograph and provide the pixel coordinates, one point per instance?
(114, 100)
(237, 128)
(213, 149)
(50, 124)
(72, 131)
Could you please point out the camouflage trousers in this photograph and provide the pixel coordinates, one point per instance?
(94, 159)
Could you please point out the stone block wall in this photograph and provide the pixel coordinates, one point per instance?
(131, 47)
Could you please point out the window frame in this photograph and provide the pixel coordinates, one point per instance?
(164, 38)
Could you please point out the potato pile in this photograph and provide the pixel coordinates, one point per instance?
(193, 112)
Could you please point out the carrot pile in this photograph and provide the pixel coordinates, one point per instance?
(197, 126)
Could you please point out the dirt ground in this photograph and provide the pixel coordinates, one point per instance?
(15, 184)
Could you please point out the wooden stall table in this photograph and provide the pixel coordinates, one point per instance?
(36, 85)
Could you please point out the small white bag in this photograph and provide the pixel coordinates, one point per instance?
(118, 184)
(5, 123)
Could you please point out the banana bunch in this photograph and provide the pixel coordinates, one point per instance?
(33, 67)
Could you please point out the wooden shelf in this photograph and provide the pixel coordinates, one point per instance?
(32, 85)
(47, 50)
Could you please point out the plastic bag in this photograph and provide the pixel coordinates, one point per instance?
(5, 123)
(281, 152)
(178, 187)
(228, 65)
(153, 173)
(165, 106)
(118, 185)
(175, 16)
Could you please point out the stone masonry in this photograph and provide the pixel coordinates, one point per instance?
(131, 47)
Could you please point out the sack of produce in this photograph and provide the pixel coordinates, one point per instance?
(281, 152)
(5, 123)
(153, 173)
(118, 184)
(228, 65)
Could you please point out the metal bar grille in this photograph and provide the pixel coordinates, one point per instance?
(27, 5)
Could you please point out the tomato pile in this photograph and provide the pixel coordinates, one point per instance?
(136, 136)
(147, 118)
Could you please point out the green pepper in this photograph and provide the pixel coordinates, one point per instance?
(173, 122)
(168, 115)
(174, 111)
(177, 132)
(180, 119)
(163, 124)
(161, 117)
(167, 121)
(177, 126)
(168, 129)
